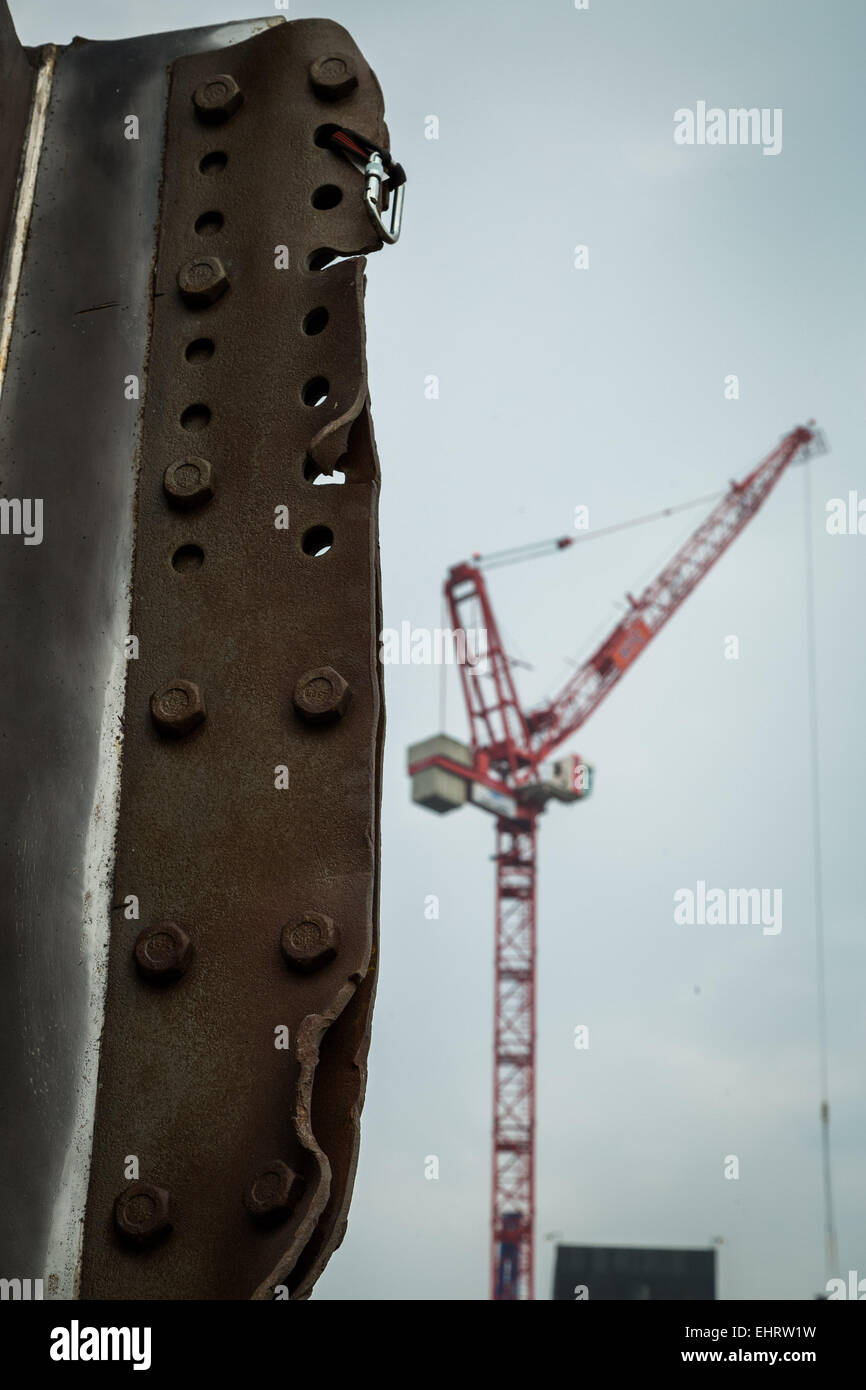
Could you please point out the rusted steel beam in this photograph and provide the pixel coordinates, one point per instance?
(242, 871)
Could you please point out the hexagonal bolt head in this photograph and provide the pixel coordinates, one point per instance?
(188, 482)
(333, 76)
(177, 707)
(272, 1191)
(309, 941)
(218, 98)
(163, 951)
(202, 281)
(321, 695)
(141, 1212)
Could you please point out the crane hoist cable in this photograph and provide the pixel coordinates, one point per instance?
(537, 550)
(831, 1251)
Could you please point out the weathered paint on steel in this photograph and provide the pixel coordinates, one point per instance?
(69, 436)
(191, 1081)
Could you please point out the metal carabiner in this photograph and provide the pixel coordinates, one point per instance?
(374, 174)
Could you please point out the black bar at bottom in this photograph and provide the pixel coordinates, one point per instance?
(178, 1338)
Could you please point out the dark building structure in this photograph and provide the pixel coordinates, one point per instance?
(591, 1272)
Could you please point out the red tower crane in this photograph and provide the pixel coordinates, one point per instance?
(501, 771)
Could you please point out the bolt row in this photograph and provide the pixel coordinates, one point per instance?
(164, 951)
(321, 695)
(143, 1215)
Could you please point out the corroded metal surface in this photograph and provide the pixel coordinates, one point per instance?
(252, 829)
(68, 437)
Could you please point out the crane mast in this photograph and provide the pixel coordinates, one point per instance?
(501, 771)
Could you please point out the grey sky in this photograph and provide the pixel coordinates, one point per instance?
(605, 387)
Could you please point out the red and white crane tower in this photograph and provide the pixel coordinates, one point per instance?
(503, 771)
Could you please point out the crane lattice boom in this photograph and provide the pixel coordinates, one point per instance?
(585, 690)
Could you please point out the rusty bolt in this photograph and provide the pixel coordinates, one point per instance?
(271, 1191)
(141, 1212)
(309, 941)
(218, 98)
(188, 482)
(333, 76)
(202, 281)
(177, 707)
(321, 694)
(163, 951)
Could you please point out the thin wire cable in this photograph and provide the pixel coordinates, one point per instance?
(537, 550)
(831, 1253)
(651, 516)
(533, 551)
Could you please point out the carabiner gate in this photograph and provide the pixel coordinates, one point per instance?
(374, 175)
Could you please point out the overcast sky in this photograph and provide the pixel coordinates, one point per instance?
(605, 387)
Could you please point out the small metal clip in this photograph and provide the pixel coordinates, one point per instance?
(374, 174)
